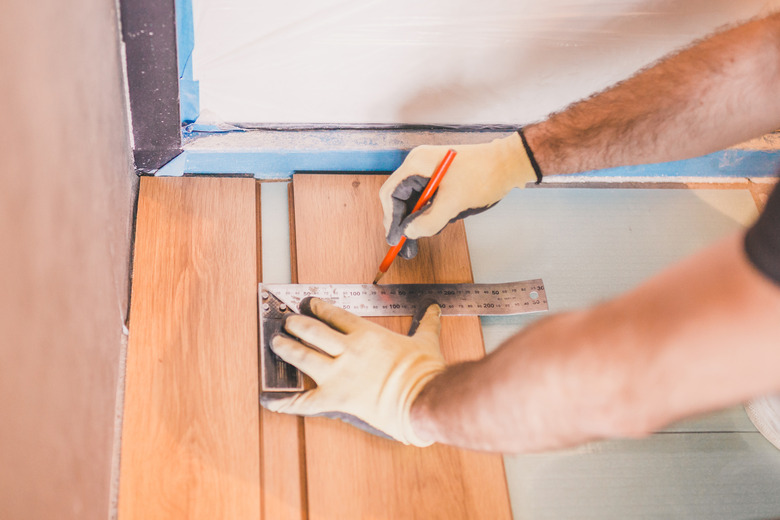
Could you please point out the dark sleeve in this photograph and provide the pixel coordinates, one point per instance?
(762, 241)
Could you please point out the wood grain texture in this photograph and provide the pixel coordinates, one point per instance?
(281, 447)
(190, 443)
(351, 474)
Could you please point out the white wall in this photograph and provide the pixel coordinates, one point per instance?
(66, 214)
(432, 61)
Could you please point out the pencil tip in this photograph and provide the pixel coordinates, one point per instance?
(378, 276)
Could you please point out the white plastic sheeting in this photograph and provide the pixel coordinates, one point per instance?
(431, 61)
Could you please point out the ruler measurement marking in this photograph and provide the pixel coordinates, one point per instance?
(403, 299)
(276, 300)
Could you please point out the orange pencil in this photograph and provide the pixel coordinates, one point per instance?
(427, 193)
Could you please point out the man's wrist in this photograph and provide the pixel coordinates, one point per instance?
(514, 162)
(531, 158)
(534, 138)
(420, 414)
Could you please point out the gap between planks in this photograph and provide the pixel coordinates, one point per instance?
(283, 462)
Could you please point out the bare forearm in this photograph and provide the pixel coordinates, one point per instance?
(714, 94)
(700, 336)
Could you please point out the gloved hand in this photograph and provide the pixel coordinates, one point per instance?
(362, 369)
(480, 176)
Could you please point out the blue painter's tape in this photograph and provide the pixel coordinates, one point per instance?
(281, 164)
(174, 167)
(196, 130)
(726, 163)
(189, 90)
(189, 100)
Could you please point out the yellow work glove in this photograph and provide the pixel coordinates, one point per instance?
(479, 177)
(366, 374)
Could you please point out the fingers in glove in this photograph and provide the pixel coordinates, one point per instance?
(298, 404)
(409, 168)
(336, 317)
(387, 200)
(400, 212)
(426, 323)
(306, 359)
(316, 333)
(432, 218)
(409, 250)
(404, 197)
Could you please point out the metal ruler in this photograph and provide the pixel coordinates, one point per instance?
(457, 299)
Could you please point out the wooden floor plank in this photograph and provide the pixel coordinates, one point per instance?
(190, 439)
(351, 474)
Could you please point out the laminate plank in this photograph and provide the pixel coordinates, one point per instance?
(351, 474)
(190, 440)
